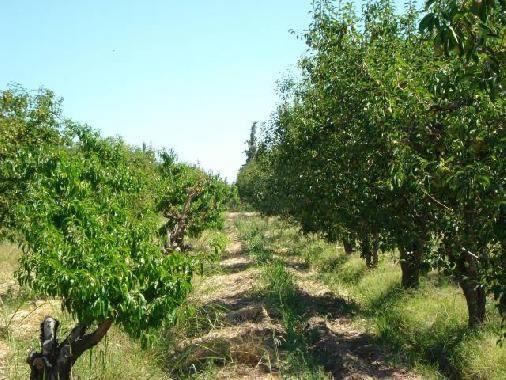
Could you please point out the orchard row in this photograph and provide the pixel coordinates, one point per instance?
(392, 137)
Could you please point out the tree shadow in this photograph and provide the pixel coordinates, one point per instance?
(250, 345)
(384, 301)
(333, 263)
(236, 267)
(333, 266)
(325, 305)
(349, 353)
(294, 264)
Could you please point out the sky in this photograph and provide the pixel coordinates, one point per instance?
(188, 75)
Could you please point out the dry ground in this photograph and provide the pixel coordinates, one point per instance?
(244, 338)
(244, 343)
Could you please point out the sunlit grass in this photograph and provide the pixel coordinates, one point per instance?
(478, 356)
(116, 357)
(427, 327)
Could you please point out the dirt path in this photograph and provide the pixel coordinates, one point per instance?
(241, 338)
(345, 351)
(243, 335)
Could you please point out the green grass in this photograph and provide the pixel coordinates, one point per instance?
(207, 249)
(296, 360)
(425, 328)
(254, 237)
(262, 239)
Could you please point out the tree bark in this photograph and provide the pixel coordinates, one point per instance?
(474, 292)
(411, 259)
(175, 234)
(55, 360)
(367, 252)
(348, 246)
(375, 250)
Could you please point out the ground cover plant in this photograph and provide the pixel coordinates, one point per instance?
(432, 337)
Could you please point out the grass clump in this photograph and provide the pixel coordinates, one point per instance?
(296, 360)
(207, 251)
(426, 327)
(281, 294)
(253, 234)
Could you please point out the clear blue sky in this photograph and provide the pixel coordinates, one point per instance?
(190, 75)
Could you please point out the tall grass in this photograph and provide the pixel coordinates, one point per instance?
(254, 237)
(426, 327)
(261, 238)
(296, 360)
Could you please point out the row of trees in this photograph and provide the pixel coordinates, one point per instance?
(393, 137)
(87, 212)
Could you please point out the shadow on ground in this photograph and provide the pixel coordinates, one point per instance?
(238, 326)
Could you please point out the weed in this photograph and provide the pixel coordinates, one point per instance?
(281, 293)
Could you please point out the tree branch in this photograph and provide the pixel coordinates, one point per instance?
(87, 341)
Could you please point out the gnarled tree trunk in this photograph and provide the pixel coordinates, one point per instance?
(55, 360)
(175, 234)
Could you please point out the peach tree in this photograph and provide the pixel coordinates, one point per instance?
(27, 119)
(191, 201)
(88, 227)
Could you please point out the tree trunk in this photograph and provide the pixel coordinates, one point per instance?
(175, 234)
(375, 250)
(411, 259)
(55, 360)
(367, 252)
(474, 292)
(348, 246)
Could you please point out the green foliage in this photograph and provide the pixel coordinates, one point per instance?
(473, 31)
(254, 240)
(85, 211)
(192, 194)
(234, 202)
(251, 183)
(252, 143)
(89, 234)
(385, 141)
(27, 121)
